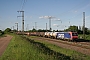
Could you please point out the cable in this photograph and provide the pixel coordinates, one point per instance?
(75, 7)
(24, 1)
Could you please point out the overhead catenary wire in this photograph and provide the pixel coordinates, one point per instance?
(23, 4)
(75, 7)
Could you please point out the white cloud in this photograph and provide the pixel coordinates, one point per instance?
(41, 17)
(75, 11)
(87, 17)
(56, 25)
(9, 17)
(56, 19)
(46, 17)
(28, 16)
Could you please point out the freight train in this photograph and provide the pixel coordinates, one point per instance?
(71, 36)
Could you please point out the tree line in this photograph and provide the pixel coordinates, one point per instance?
(73, 28)
(79, 29)
(7, 30)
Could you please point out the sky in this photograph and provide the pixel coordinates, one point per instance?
(65, 13)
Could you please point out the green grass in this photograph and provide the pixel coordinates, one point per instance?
(21, 49)
(73, 54)
(87, 37)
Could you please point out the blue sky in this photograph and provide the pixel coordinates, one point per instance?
(70, 12)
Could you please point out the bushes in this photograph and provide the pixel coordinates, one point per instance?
(47, 51)
(1, 32)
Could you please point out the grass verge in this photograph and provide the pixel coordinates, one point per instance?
(87, 37)
(21, 48)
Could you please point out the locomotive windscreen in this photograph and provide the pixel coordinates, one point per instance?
(74, 34)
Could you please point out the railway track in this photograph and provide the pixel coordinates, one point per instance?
(85, 45)
(77, 46)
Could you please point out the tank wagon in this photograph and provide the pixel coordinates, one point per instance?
(53, 35)
(47, 34)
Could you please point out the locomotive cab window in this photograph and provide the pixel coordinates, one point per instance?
(74, 34)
